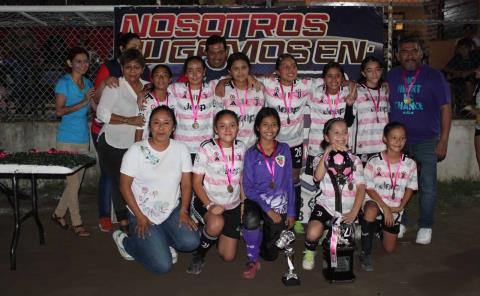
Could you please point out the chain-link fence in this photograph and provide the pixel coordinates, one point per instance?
(33, 52)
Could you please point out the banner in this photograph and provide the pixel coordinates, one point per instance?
(314, 35)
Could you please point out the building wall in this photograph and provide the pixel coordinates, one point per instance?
(459, 163)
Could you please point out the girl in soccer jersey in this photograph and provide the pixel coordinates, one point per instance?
(370, 110)
(352, 192)
(159, 96)
(241, 98)
(391, 179)
(268, 187)
(329, 100)
(194, 105)
(217, 173)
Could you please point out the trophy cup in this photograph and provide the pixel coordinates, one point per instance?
(290, 278)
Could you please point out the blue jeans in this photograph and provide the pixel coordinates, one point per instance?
(153, 251)
(424, 154)
(104, 188)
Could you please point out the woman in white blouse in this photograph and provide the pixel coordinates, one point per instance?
(118, 109)
(156, 182)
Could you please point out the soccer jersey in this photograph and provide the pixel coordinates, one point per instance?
(257, 180)
(246, 106)
(371, 115)
(290, 104)
(185, 114)
(156, 177)
(322, 108)
(151, 103)
(379, 178)
(210, 163)
(326, 198)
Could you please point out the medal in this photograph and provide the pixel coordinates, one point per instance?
(270, 167)
(195, 107)
(333, 110)
(350, 186)
(375, 104)
(195, 125)
(407, 100)
(288, 104)
(408, 88)
(393, 181)
(229, 170)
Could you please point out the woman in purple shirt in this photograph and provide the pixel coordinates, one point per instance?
(268, 187)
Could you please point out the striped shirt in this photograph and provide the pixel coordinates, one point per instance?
(292, 133)
(150, 104)
(321, 111)
(377, 178)
(209, 162)
(326, 199)
(185, 132)
(367, 132)
(245, 108)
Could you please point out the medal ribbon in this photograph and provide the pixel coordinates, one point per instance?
(377, 103)
(195, 107)
(288, 105)
(243, 103)
(224, 159)
(334, 242)
(393, 181)
(158, 99)
(408, 88)
(333, 112)
(270, 168)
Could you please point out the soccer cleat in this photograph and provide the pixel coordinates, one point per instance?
(308, 262)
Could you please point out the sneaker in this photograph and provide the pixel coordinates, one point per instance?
(105, 225)
(251, 271)
(402, 231)
(424, 236)
(366, 262)
(196, 265)
(298, 227)
(174, 255)
(308, 262)
(118, 237)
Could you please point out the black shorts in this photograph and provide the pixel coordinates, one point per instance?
(297, 156)
(231, 218)
(309, 169)
(395, 229)
(320, 214)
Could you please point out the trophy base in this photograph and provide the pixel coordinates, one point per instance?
(338, 277)
(293, 281)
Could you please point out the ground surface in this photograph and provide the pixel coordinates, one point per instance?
(69, 265)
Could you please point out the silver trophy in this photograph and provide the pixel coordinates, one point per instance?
(290, 278)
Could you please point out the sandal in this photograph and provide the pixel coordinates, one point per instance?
(79, 230)
(58, 220)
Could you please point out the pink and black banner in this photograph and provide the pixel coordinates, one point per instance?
(314, 35)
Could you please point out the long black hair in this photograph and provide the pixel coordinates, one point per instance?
(265, 112)
(362, 79)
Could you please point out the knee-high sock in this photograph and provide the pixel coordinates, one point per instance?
(206, 241)
(311, 245)
(298, 201)
(368, 232)
(253, 239)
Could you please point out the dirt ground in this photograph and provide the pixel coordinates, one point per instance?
(69, 265)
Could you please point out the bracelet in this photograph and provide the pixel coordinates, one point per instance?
(209, 205)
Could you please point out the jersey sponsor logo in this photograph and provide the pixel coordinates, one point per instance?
(280, 160)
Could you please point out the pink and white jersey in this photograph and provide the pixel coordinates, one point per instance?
(290, 133)
(246, 106)
(327, 196)
(150, 104)
(377, 177)
(371, 115)
(210, 163)
(185, 132)
(322, 108)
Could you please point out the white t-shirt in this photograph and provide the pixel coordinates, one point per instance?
(368, 126)
(150, 104)
(209, 162)
(156, 177)
(321, 112)
(327, 197)
(292, 133)
(377, 177)
(246, 109)
(121, 100)
(183, 111)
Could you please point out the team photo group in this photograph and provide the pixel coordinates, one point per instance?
(217, 155)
